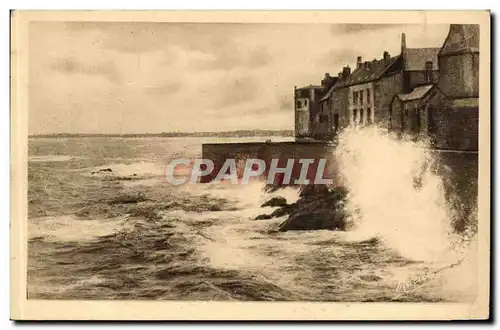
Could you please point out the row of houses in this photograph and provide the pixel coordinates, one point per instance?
(420, 93)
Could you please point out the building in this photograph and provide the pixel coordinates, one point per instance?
(419, 93)
(365, 102)
(305, 107)
(446, 109)
(405, 108)
(365, 96)
(309, 119)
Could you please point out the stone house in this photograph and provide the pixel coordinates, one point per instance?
(364, 91)
(306, 103)
(311, 121)
(423, 92)
(447, 111)
(406, 110)
(371, 87)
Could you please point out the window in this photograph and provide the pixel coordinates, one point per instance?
(299, 104)
(305, 103)
(336, 121)
(361, 118)
(354, 116)
(369, 115)
(368, 96)
(361, 97)
(355, 97)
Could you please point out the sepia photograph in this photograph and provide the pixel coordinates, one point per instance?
(339, 159)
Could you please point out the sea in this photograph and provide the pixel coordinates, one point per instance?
(105, 224)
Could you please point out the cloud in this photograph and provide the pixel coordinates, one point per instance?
(137, 37)
(241, 90)
(259, 57)
(342, 29)
(169, 88)
(154, 77)
(127, 37)
(338, 57)
(286, 103)
(230, 58)
(217, 44)
(73, 66)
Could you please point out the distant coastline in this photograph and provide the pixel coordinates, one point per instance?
(239, 133)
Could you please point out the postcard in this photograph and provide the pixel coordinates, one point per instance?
(250, 165)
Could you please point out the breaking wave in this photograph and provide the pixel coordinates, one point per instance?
(124, 233)
(396, 195)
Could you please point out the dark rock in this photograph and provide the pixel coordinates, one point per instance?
(270, 188)
(263, 217)
(314, 190)
(102, 170)
(339, 193)
(317, 208)
(275, 201)
(282, 211)
(314, 219)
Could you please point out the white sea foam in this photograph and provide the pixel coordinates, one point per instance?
(138, 168)
(394, 194)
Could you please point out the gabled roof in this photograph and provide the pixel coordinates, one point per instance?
(416, 93)
(461, 38)
(415, 58)
(311, 87)
(328, 94)
(361, 75)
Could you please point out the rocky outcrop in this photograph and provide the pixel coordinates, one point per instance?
(275, 201)
(317, 208)
(103, 170)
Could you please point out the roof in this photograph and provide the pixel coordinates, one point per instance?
(363, 75)
(416, 93)
(472, 102)
(310, 86)
(415, 58)
(328, 94)
(461, 38)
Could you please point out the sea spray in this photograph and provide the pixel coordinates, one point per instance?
(394, 194)
(251, 195)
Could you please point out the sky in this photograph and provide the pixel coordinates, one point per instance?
(141, 77)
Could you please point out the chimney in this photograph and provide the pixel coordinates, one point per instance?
(346, 71)
(387, 57)
(403, 42)
(358, 62)
(340, 75)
